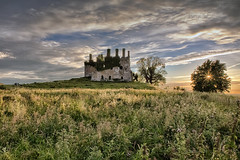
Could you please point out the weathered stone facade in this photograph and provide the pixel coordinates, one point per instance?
(109, 68)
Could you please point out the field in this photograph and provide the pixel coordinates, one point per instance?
(97, 124)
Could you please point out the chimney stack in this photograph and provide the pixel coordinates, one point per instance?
(108, 52)
(123, 52)
(128, 54)
(116, 52)
(90, 57)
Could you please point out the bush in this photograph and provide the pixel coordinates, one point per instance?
(3, 87)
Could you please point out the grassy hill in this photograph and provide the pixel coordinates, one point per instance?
(117, 124)
(86, 83)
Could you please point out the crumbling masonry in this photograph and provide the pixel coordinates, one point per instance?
(109, 68)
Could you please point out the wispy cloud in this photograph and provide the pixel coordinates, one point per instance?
(74, 57)
(20, 75)
(5, 55)
(194, 56)
(50, 44)
(235, 65)
(179, 77)
(220, 36)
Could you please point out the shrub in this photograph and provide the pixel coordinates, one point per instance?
(3, 87)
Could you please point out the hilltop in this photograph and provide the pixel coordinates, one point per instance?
(87, 83)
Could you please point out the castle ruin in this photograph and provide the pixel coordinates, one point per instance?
(109, 68)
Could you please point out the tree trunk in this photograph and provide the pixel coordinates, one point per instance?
(151, 79)
(146, 79)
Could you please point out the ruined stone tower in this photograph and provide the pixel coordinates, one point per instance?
(109, 68)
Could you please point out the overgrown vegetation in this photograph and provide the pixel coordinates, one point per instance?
(117, 124)
(87, 83)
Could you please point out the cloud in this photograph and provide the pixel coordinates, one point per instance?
(194, 56)
(5, 55)
(73, 57)
(20, 75)
(180, 77)
(234, 74)
(75, 16)
(220, 36)
(216, 20)
(50, 44)
(188, 17)
(235, 65)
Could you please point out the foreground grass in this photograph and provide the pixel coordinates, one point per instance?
(117, 124)
(87, 83)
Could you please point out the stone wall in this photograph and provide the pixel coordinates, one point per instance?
(115, 74)
(109, 68)
(89, 70)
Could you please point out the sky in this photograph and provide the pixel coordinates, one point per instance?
(46, 40)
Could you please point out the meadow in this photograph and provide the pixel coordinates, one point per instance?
(95, 124)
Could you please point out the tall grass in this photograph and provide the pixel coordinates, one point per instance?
(117, 124)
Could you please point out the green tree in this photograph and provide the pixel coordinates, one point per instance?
(211, 77)
(152, 69)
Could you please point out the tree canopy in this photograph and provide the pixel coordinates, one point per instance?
(211, 77)
(152, 69)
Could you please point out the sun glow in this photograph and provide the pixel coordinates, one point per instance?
(209, 76)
